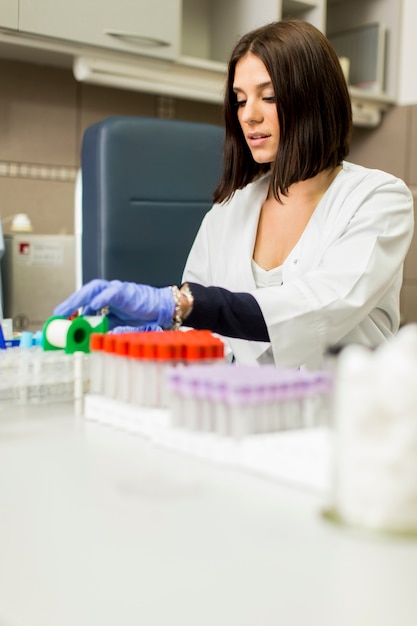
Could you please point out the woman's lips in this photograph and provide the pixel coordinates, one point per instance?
(257, 139)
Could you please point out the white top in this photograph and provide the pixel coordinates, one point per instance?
(341, 281)
(266, 278)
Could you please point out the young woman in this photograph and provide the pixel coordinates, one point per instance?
(301, 250)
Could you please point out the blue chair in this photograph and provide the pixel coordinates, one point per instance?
(146, 185)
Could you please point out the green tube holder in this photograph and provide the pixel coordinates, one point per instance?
(74, 335)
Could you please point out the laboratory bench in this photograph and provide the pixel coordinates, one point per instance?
(99, 527)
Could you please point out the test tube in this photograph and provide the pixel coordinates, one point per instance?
(109, 368)
(137, 366)
(96, 363)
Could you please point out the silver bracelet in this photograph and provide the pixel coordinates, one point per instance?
(177, 317)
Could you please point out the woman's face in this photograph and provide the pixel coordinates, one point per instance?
(256, 108)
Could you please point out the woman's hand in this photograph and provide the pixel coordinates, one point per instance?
(127, 303)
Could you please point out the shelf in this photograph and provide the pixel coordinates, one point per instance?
(296, 7)
(368, 107)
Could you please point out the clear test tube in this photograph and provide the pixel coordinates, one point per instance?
(47, 374)
(240, 407)
(190, 381)
(325, 384)
(288, 391)
(211, 409)
(23, 382)
(219, 418)
(122, 367)
(275, 402)
(168, 355)
(150, 369)
(274, 398)
(203, 405)
(59, 373)
(157, 367)
(271, 404)
(8, 377)
(298, 394)
(207, 405)
(110, 375)
(146, 369)
(174, 380)
(310, 399)
(234, 402)
(78, 385)
(295, 391)
(281, 396)
(214, 413)
(259, 398)
(201, 350)
(137, 370)
(198, 355)
(96, 363)
(38, 382)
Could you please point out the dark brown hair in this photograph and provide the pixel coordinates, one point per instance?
(313, 104)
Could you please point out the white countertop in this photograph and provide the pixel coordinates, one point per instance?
(100, 527)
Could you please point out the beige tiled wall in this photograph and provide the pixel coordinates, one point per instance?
(409, 291)
(412, 147)
(393, 147)
(383, 147)
(44, 112)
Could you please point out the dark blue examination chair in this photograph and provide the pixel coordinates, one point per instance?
(146, 185)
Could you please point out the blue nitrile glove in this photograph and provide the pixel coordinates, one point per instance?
(119, 330)
(129, 304)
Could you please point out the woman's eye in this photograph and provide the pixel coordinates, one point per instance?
(240, 103)
(269, 98)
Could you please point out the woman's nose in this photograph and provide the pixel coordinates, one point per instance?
(251, 112)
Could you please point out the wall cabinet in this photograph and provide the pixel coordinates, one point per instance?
(210, 28)
(9, 13)
(196, 37)
(197, 30)
(407, 54)
(368, 30)
(397, 19)
(133, 26)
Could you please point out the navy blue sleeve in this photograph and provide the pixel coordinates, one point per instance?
(228, 313)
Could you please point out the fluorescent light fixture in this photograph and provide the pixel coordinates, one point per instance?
(183, 79)
(196, 79)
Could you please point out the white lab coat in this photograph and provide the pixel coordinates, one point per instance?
(341, 281)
